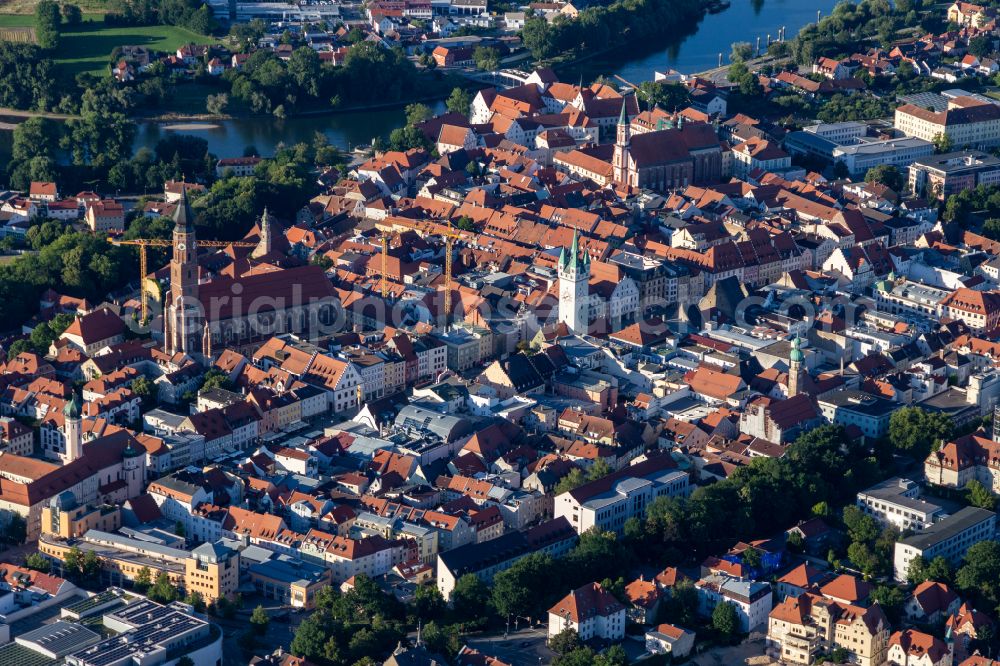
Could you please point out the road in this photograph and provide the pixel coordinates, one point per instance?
(719, 75)
(525, 647)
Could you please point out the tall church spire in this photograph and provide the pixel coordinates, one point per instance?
(182, 325)
(72, 414)
(266, 243)
(621, 158)
(183, 216)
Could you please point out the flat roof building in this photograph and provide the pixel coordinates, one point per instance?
(949, 538)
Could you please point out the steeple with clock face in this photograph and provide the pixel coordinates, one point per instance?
(574, 287)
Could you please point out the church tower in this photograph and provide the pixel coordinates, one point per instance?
(73, 428)
(574, 287)
(182, 329)
(795, 371)
(623, 137)
(133, 468)
(265, 245)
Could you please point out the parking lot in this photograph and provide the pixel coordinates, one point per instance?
(520, 648)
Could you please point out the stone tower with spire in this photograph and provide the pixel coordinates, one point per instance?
(182, 327)
(795, 370)
(134, 467)
(265, 245)
(623, 138)
(73, 427)
(574, 287)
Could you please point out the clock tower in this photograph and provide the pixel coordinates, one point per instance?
(574, 287)
(182, 324)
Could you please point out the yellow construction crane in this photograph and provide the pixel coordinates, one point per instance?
(143, 243)
(449, 238)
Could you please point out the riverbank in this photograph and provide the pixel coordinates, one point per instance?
(307, 113)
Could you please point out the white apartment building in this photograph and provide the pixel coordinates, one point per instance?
(607, 503)
(909, 298)
(966, 122)
(591, 611)
(752, 599)
(897, 502)
(949, 538)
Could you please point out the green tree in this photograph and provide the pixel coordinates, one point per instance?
(979, 495)
(565, 641)
(752, 558)
(980, 573)
(310, 639)
(821, 510)
(582, 656)
(195, 600)
(917, 571)
(861, 527)
(741, 51)
(38, 562)
(15, 530)
(486, 58)
(598, 470)
(146, 391)
(47, 23)
(598, 555)
(536, 35)
(471, 599)
(864, 558)
(216, 104)
(163, 591)
(259, 620)
(407, 138)
(887, 175)
(991, 228)
(681, 607)
(942, 143)
(939, 570)
(981, 45)
(73, 562)
(917, 432)
(143, 580)
(71, 15)
(216, 378)
(613, 656)
(459, 101)
(90, 566)
(428, 604)
(725, 621)
(667, 96)
(418, 113)
(891, 599)
(574, 479)
(525, 588)
(442, 640)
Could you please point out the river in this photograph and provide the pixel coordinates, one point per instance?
(744, 21)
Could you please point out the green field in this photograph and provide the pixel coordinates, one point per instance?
(17, 21)
(88, 48)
